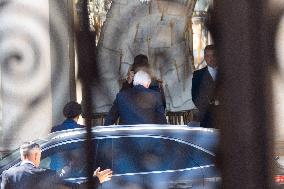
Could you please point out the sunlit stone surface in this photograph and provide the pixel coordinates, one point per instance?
(156, 29)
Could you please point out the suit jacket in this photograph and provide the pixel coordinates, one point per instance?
(67, 124)
(155, 85)
(203, 95)
(137, 105)
(27, 176)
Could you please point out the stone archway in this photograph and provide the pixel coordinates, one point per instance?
(161, 29)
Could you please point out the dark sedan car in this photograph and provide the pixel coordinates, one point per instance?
(141, 156)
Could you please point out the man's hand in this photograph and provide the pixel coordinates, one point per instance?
(104, 175)
(130, 76)
(65, 171)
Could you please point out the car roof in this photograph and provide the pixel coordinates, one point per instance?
(126, 128)
(204, 137)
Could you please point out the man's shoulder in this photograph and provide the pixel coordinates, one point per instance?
(149, 93)
(198, 74)
(125, 91)
(43, 171)
(152, 91)
(56, 128)
(31, 177)
(12, 171)
(67, 124)
(135, 91)
(48, 172)
(23, 168)
(200, 71)
(15, 169)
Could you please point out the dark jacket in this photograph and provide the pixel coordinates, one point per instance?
(137, 105)
(203, 95)
(155, 85)
(67, 124)
(27, 176)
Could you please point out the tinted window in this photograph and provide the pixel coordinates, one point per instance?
(143, 154)
(104, 153)
(70, 159)
(126, 155)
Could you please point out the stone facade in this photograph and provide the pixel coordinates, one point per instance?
(159, 29)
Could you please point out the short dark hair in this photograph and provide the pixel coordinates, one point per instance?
(72, 109)
(27, 147)
(209, 48)
(140, 61)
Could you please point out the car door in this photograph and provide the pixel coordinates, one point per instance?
(156, 162)
(69, 158)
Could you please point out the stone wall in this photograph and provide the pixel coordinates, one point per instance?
(159, 29)
(35, 67)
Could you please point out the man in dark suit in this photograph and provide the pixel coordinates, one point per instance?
(141, 63)
(71, 111)
(203, 88)
(28, 175)
(137, 105)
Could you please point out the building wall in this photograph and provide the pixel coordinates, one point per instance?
(156, 29)
(36, 60)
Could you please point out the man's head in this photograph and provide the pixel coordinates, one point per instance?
(140, 63)
(142, 78)
(31, 151)
(210, 56)
(72, 110)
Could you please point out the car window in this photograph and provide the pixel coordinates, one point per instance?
(8, 160)
(14, 156)
(104, 153)
(144, 154)
(70, 159)
(126, 155)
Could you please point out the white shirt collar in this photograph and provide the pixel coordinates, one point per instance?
(27, 161)
(213, 72)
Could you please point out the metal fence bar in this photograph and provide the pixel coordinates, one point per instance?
(87, 75)
(246, 140)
